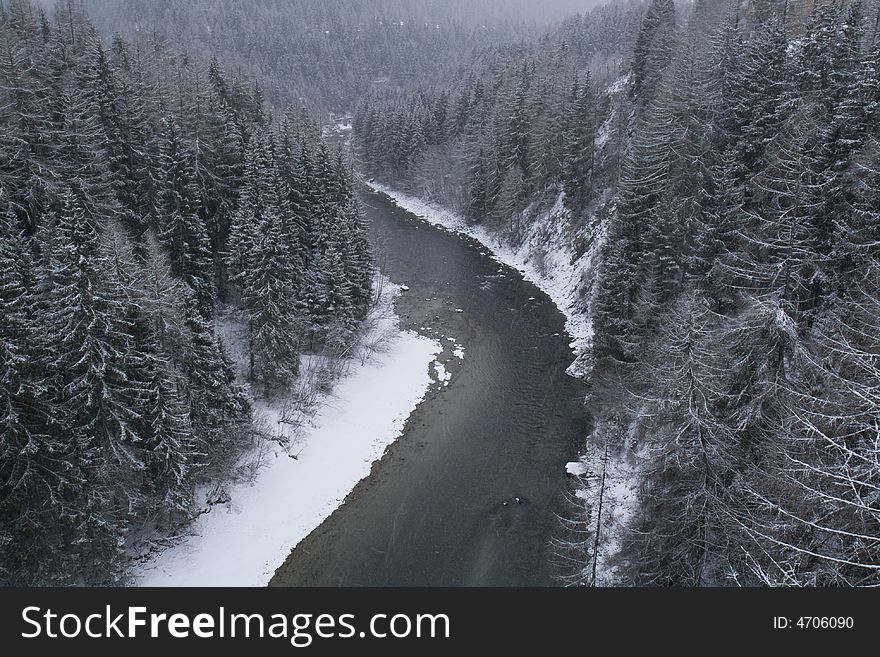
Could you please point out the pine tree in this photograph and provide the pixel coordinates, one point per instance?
(218, 407)
(478, 195)
(265, 271)
(89, 389)
(653, 49)
(640, 234)
(579, 136)
(357, 259)
(29, 476)
(83, 149)
(181, 229)
(762, 94)
(268, 299)
(683, 526)
(842, 124)
(515, 134)
(130, 139)
(27, 146)
(167, 442)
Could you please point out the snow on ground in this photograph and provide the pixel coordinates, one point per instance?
(339, 128)
(576, 468)
(618, 493)
(443, 375)
(556, 274)
(242, 542)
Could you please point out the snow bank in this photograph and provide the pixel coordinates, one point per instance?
(557, 272)
(610, 479)
(243, 542)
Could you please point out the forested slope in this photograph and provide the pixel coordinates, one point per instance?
(728, 179)
(329, 53)
(709, 172)
(142, 195)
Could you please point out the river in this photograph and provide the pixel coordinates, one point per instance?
(469, 494)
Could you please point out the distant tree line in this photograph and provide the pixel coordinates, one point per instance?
(520, 121)
(330, 53)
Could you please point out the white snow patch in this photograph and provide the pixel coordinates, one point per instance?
(617, 86)
(603, 133)
(576, 468)
(243, 542)
(443, 375)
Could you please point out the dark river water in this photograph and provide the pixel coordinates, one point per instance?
(440, 509)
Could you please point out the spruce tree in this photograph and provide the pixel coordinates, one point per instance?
(653, 49)
(181, 229)
(579, 137)
(90, 391)
(29, 443)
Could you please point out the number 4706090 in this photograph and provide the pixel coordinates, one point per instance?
(824, 622)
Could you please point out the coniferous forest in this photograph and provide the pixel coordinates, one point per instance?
(706, 171)
(330, 53)
(725, 175)
(142, 193)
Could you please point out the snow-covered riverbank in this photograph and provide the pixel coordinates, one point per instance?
(243, 541)
(544, 258)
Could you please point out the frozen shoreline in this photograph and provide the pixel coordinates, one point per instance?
(243, 541)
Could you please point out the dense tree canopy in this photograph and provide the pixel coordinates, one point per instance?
(142, 193)
(720, 161)
(730, 174)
